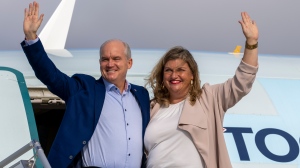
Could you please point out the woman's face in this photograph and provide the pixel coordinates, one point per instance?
(177, 78)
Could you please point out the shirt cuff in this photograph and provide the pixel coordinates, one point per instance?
(30, 42)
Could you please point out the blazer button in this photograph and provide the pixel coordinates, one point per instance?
(83, 142)
(70, 157)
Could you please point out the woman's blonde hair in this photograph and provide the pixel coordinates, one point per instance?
(155, 79)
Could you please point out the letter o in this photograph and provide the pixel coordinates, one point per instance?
(261, 145)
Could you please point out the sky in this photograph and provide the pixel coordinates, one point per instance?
(199, 25)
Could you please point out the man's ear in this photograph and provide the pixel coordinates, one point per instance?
(130, 61)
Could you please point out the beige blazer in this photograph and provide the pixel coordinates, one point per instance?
(204, 120)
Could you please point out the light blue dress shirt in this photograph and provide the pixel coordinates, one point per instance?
(117, 139)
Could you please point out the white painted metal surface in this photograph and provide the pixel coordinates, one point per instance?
(14, 125)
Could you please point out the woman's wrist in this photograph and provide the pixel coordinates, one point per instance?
(251, 46)
(251, 41)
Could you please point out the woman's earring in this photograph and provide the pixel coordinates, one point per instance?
(162, 85)
(192, 82)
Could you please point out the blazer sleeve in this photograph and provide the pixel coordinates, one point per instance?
(234, 89)
(45, 70)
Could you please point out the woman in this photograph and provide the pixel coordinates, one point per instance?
(186, 127)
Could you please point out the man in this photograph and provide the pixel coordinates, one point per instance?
(105, 119)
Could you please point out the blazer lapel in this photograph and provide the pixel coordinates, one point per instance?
(193, 115)
(194, 120)
(99, 99)
(143, 103)
(154, 109)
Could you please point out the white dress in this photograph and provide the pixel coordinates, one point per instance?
(167, 145)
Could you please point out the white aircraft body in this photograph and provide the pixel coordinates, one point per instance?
(261, 131)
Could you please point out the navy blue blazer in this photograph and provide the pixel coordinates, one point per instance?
(84, 97)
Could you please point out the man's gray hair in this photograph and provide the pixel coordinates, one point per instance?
(127, 48)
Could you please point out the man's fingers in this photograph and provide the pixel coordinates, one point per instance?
(25, 13)
(29, 9)
(36, 11)
(41, 18)
(33, 8)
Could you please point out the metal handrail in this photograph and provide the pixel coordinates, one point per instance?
(32, 144)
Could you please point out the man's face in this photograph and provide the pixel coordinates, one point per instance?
(114, 63)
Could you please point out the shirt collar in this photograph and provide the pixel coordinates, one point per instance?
(109, 86)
